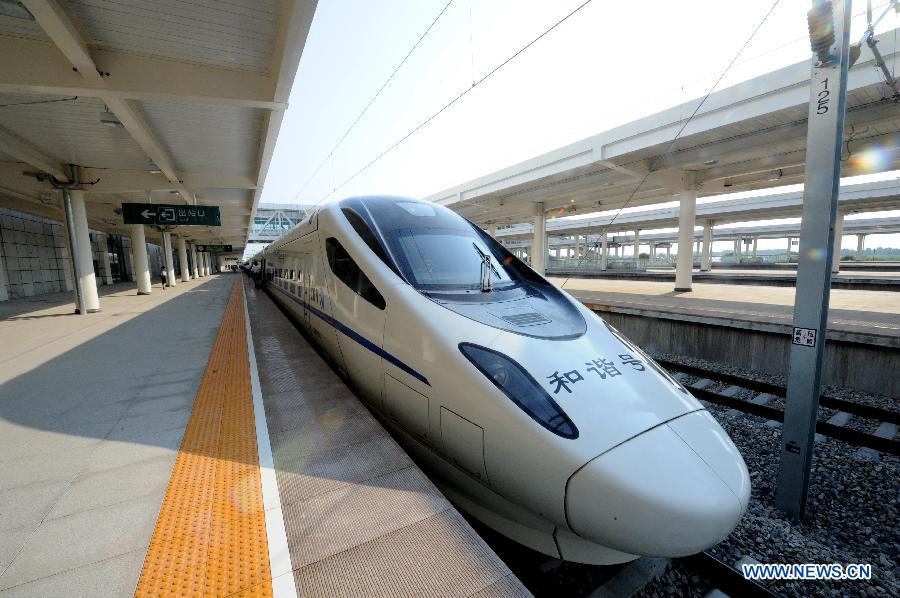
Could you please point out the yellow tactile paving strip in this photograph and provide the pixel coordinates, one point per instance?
(210, 536)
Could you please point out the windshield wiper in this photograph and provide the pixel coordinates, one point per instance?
(487, 267)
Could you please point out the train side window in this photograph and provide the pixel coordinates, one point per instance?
(350, 274)
(363, 230)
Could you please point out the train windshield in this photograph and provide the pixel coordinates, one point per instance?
(434, 248)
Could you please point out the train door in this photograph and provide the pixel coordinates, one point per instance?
(360, 310)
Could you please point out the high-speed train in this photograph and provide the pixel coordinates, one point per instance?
(528, 410)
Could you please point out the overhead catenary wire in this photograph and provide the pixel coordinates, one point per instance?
(372, 101)
(460, 96)
(684, 125)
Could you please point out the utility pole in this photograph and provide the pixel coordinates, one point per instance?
(829, 27)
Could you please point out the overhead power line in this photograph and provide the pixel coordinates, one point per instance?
(456, 99)
(671, 143)
(375, 97)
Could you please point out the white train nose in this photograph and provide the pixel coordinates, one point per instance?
(674, 490)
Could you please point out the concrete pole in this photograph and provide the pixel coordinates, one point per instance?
(737, 248)
(577, 246)
(141, 263)
(637, 243)
(687, 211)
(539, 243)
(789, 247)
(669, 251)
(604, 252)
(87, 281)
(838, 236)
(706, 250)
(104, 259)
(182, 260)
(167, 259)
(195, 261)
(652, 250)
(860, 246)
(207, 262)
(755, 240)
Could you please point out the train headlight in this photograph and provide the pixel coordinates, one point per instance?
(521, 388)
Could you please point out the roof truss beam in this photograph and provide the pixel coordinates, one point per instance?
(36, 67)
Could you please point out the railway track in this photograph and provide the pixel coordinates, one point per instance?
(885, 421)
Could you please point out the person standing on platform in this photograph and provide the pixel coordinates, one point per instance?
(163, 275)
(256, 274)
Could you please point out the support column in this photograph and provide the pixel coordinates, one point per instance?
(706, 249)
(737, 249)
(604, 251)
(637, 243)
(85, 282)
(141, 263)
(652, 250)
(860, 246)
(577, 246)
(182, 260)
(194, 260)
(789, 248)
(838, 236)
(755, 240)
(167, 259)
(207, 264)
(492, 231)
(687, 211)
(539, 243)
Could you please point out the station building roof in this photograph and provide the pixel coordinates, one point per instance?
(746, 137)
(181, 99)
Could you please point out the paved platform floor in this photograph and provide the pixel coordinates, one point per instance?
(855, 311)
(92, 411)
(361, 518)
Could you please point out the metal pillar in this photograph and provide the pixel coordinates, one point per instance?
(604, 252)
(686, 218)
(141, 263)
(183, 260)
(167, 259)
(755, 240)
(838, 237)
(706, 249)
(539, 244)
(824, 139)
(85, 282)
(860, 246)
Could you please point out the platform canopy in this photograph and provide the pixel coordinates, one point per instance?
(171, 101)
(746, 137)
(853, 198)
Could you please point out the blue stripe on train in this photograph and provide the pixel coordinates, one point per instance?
(359, 339)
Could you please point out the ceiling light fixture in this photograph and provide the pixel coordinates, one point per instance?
(15, 9)
(152, 168)
(775, 175)
(109, 119)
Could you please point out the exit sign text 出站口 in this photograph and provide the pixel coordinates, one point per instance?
(166, 214)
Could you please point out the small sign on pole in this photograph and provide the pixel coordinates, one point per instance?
(170, 215)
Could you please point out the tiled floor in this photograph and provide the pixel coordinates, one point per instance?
(92, 411)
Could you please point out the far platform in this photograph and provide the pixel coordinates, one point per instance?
(854, 277)
(871, 317)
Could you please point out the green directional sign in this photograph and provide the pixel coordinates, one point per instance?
(213, 248)
(172, 215)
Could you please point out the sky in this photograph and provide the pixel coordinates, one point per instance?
(610, 63)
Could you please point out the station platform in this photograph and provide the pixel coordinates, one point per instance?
(751, 326)
(157, 448)
(862, 278)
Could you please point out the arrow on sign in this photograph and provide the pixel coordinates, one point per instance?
(147, 213)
